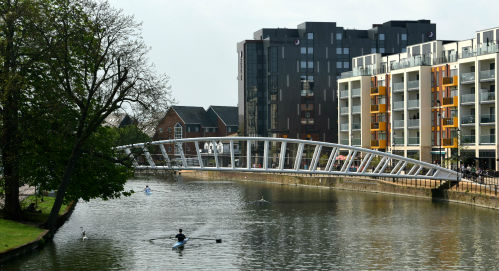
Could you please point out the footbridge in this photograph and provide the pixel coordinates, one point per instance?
(277, 155)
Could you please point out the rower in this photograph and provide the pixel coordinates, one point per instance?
(147, 189)
(180, 236)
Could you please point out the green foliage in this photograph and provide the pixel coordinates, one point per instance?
(130, 134)
(14, 234)
(43, 207)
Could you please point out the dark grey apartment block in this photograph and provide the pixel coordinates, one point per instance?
(287, 77)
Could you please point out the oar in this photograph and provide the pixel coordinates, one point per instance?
(211, 239)
(163, 237)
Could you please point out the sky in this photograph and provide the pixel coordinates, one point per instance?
(194, 41)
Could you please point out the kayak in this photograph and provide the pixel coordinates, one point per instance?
(180, 244)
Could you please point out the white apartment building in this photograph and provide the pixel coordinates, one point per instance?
(434, 101)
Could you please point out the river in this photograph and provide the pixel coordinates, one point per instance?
(302, 228)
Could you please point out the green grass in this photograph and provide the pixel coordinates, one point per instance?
(44, 206)
(13, 234)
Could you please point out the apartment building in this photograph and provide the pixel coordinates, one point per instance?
(435, 101)
(287, 77)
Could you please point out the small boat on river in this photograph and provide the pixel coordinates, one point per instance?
(179, 244)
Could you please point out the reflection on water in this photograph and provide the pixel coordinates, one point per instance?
(302, 228)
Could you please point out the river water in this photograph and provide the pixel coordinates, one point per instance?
(303, 228)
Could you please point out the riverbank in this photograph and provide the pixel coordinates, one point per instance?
(416, 188)
(19, 238)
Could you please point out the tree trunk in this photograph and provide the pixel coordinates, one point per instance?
(10, 134)
(51, 222)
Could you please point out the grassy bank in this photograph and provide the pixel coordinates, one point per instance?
(14, 234)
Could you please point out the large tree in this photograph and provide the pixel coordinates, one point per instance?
(98, 65)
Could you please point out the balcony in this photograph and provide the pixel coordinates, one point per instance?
(355, 126)
(344, 110)
(355, 141)
(449, 101)
(467, 77)
(380, 90)
(487, 119)
(398, 124)
(343, 94)
(487, 96)
(306, 121)
(449, 81)
(449, 143)
(398, 105)
(412, 104)
(487, 75)
(344, 127)
(307, 107)
(398, 141)
(356, 109)
(488, 139)
(413, 141)
(378, 144)
(378, 126)
(450, 122)
(467, 98)
(307, 93)
(467, 119)
(398, 87)
(378, 108)
(468, 139)
(413, 123)
(413, 85)
(355, 92)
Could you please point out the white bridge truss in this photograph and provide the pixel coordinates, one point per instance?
(279, 155)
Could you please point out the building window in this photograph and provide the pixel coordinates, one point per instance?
(188, 129)
(338, 65)
(310, 50)
(404, 50)
(403, 36)
(381, 36)
(310, 64)
(303, 50)
(373, 50)
(382, 50)
(160, 130)
(196, 129)
(303, 64)
(310, 36)
(338, 51)
(338, 36)
(346, 51)
(178, 131)
(346, 65)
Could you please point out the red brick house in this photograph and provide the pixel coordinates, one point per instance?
(193, 121)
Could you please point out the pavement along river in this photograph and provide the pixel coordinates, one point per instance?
(305, 228)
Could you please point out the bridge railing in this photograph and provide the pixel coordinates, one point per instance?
(279, 155)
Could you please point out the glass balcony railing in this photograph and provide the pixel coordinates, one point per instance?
(355, 126)
(343, 110)
(486, 95)
(413, 140)
(469, 119)
(467, 77)
(355, 92)
(398, 105)
(398, 140)
(398, 123)
(488, 139)
(344, 127)
(412, 103)
(355, 141)
(487, 118)
(487, 74)
(344, 94)
(355, 109)
(413, 84)
(468, 98)
(467, 139)
(413, 123)
(397, 87)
